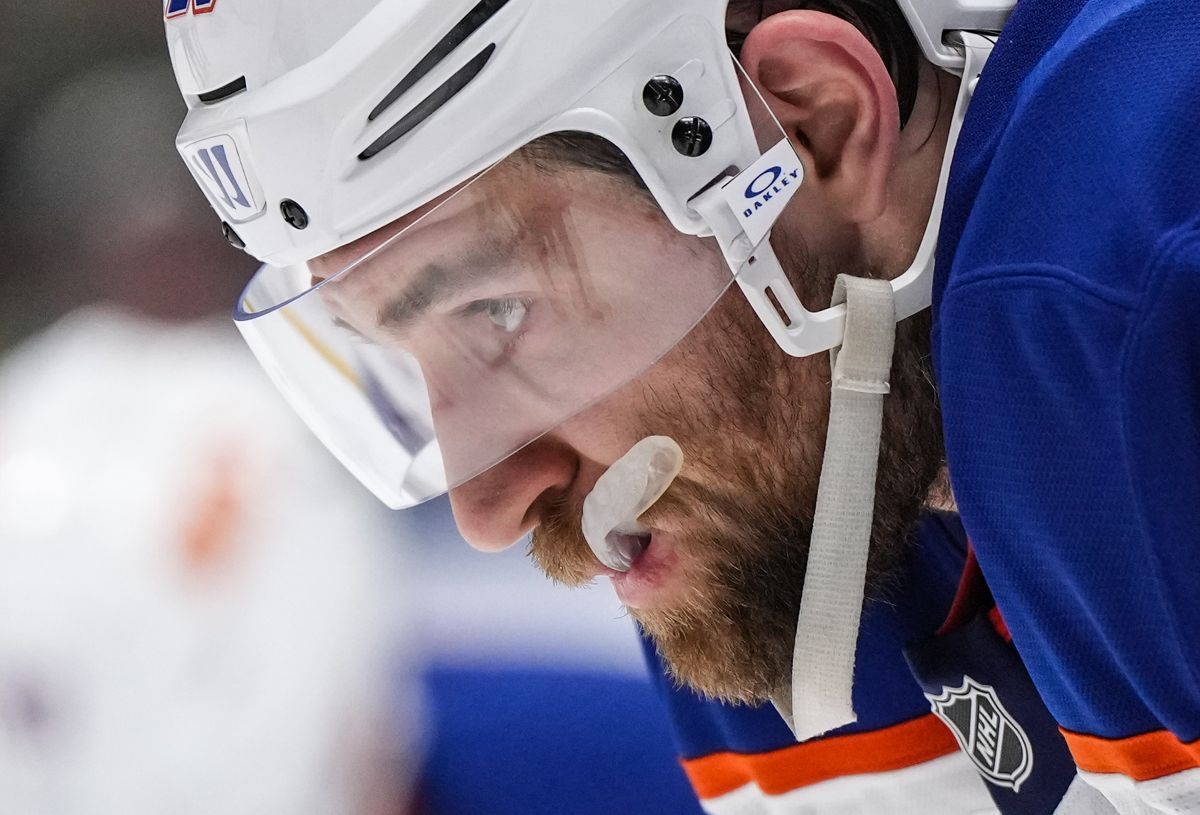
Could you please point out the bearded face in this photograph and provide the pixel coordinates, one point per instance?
(524, 298)
(719, 586)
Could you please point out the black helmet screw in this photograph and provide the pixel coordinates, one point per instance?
(293, 213)
(692, 136)
(663, 95)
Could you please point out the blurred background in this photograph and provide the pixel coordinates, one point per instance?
(199, 611)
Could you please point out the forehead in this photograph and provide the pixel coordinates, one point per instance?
(545, 175)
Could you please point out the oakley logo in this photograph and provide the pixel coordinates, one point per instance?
(178, 8)
(770, 183)
(756, 188)
(220, 170)
(760, 193)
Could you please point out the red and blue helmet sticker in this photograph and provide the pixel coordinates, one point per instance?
(178, 8)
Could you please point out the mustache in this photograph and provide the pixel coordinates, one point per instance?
(558, 546)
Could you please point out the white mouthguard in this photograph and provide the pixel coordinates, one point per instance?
(626, 490)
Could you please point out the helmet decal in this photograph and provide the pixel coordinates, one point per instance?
(218, 166)
(178, 8)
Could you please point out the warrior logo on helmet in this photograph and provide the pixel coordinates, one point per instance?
(219, 168)
(986, 732)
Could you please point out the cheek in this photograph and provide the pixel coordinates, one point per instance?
(726, 393)
(665, 400)
(606, 431)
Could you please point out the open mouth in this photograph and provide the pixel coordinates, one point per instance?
(654, 577)
(627, 546)
(628, 488)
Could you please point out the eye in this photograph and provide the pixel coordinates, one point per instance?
(507, 314)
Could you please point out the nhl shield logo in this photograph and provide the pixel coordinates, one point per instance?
(986, 732)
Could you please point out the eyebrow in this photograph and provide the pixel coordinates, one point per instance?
(438, 282)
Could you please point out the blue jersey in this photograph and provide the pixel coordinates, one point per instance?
(898, 757)
(1068, 360)
(1067, 351)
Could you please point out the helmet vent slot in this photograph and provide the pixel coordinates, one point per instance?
(465, 28)
(430, 104)
(224, 92)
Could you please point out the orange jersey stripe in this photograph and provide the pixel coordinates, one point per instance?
(800, 765)
(1142, 758)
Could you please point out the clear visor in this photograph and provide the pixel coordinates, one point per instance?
(429, 351)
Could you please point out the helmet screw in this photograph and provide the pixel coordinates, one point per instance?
(235, 240)
(293, 213)
(663, 95)
(692, 136)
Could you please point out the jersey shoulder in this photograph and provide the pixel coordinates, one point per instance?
(1080, 141)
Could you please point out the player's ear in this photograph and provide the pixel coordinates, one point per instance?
(829, 89)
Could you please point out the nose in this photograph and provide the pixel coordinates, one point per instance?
(498, 507)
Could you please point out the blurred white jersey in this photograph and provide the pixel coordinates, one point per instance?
(198, 606)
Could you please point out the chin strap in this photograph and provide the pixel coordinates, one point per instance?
(827, 631)
(821, 697)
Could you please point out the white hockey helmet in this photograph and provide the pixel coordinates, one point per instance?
(434, 298)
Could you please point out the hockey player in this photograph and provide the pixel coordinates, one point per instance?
(498, 237)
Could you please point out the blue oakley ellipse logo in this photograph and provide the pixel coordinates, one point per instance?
(766, 185)
(756, 189)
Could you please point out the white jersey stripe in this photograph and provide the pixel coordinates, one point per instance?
(949, 785)
(1177, 794)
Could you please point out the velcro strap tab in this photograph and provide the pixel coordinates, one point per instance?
(864, 361)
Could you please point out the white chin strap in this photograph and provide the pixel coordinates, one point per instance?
(827, 631)
(821, 697)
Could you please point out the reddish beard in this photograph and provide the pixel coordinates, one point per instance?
(727, 632)
(752, 433)
(739, 520)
